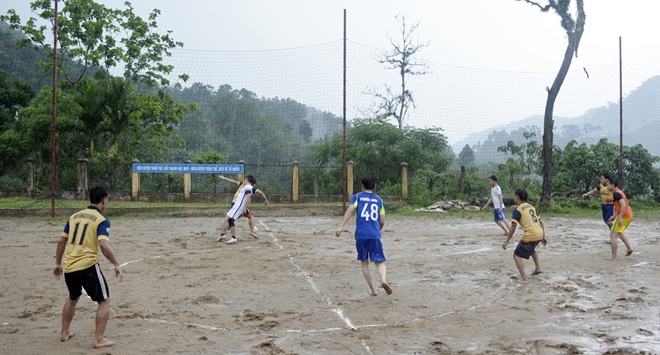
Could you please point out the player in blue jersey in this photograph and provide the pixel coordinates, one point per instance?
(368, 224)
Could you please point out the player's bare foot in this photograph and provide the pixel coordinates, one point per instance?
(254, 235)
(629, 252)
(374, 293)
(524, 282)
(67, 336)
(105, 343)
(611, 259)
(387, 288)
(537, 272)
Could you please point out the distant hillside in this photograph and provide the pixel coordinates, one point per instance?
(641, 121)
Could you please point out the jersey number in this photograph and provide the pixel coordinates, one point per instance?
(531, 213)
(373, 214)
(75, 233)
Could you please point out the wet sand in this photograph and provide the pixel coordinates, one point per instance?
(299, 290)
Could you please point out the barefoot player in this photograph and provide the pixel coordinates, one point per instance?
(368, 224)
(532, 225)
(621, 219)
(84, 234)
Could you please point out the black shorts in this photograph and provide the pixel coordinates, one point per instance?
(91, 279)
(525, 249)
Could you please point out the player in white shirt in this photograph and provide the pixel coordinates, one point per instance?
(498, 204)
(240, 206)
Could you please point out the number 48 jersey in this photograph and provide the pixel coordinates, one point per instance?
(368, 208)
(83, 232)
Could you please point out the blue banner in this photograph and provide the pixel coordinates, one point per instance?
(188, 168)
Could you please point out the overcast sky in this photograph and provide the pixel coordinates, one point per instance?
(492, 35)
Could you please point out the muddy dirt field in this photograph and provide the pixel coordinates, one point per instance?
(299, 290)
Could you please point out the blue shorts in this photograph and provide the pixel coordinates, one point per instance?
(371, 249)
(608, 212)
(525, 249)
(498, 216)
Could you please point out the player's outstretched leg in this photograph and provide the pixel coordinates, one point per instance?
(102, 316)
(68, 312)
(537, 270)
(382, 271)
(614, 244)
(253, 229)
(367, 276)
(625, 241)
(521, 269)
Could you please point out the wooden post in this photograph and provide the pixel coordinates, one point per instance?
(30, 176)
(462, 180)
(187, 183)
(81, 190)
(135, 183)
(404, 181)
(296, 174)
(349, 179)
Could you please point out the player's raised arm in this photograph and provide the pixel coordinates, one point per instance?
(228, 180)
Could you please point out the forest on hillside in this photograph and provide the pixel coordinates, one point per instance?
(111, 120)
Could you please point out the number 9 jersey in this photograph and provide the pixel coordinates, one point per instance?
(369, 207)
(83, 231)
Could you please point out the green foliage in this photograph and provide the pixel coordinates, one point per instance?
(466, 156)
(378, 148)
(577, 168)
(92, 36)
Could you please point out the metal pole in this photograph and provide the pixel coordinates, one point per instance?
(620, 118)
(53, 160)
(344, 177)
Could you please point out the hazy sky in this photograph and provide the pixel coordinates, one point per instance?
(491, 35)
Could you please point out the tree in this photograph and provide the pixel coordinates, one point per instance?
(378, 148)
(402, 58)
(466, 156)
(574, 29)
(15, 94)
(87, 41)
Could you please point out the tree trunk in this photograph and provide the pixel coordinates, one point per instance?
(548, 125)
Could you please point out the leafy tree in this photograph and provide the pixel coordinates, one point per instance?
(211, 158)
(378, 148)
(641, 178)
(574, 29)
(466, 156)
(92, 36)
(402, 57)
(14, 95)
(305, 131)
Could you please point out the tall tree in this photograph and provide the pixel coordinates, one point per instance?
(574, 28)
(91, 36)
(403, 58)
(466, 156)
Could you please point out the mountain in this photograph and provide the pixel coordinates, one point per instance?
(641, 121)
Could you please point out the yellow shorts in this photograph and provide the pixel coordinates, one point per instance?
(625, 222)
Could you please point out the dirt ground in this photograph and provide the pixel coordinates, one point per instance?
(299, 290)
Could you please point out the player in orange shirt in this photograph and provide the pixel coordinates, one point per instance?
(621, 219)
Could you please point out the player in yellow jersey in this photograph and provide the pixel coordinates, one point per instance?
(84, 234)
(534, 233)
(607, 199)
